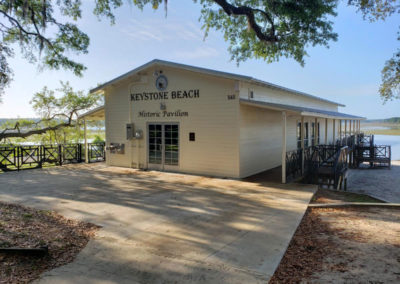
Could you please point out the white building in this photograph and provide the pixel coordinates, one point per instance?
(174, 117)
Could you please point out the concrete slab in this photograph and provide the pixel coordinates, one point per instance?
(164, 227)
(382, 183)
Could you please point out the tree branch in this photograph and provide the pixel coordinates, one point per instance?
(5, 135)
(249, 13)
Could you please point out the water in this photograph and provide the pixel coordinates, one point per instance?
(393, 140)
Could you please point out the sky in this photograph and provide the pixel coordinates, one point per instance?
(348, 72)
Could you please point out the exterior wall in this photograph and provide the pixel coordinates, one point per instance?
(116, 117)
(212, 117)
(277, 96)
(260, 140)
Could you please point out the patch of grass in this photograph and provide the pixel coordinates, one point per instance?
(27, 216)
(333, 196)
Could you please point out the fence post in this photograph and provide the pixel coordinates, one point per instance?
(40, 156)
(60, 157)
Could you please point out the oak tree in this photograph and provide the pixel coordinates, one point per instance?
(57, 109)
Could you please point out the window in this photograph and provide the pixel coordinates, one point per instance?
(306, 135)
(298, 133)
(313, 141)
(313, 134)
(251, 94)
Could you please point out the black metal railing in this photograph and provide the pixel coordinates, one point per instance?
(38, 156)
(293, 163)
(346, 151)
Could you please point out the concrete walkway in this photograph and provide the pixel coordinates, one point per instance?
(381, 183)
(165, 228)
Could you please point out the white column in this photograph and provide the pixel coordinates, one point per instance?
(345, 127)
(340, 129)
(334, 130)
(86, 143)
(302, 144)
(326, 131)
(350, 130)
(283, 147)
(316, 132)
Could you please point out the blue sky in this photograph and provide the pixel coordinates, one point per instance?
(347, 72)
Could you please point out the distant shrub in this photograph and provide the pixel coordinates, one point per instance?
(98, 139)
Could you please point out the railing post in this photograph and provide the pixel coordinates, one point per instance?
(60, 155)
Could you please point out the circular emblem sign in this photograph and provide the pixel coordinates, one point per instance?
(161, 83)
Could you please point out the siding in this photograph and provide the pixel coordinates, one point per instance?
(260, 140)
(282, 97)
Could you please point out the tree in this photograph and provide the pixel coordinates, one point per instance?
(379, 10)
(267, 29)
(31, 25)
(56, 113)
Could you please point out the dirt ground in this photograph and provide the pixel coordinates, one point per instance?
(29, 228)
(346, 245)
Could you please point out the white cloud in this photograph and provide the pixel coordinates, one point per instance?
(162, 30)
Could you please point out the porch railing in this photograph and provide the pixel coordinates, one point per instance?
(30, 157)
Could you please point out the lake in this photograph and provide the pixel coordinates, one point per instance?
(393, 140)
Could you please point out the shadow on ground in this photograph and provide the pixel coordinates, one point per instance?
(165, 227)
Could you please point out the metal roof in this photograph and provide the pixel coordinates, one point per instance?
(209, 72)
(305, 111)
(94, 114)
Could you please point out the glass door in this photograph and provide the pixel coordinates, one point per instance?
(163, 145)
(155, 146)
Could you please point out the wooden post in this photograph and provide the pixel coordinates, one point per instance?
(326, 131)
(86, 143)
(283, 147)
(316, 132)
(340, 131)
(350, 130)
(333, 132)
(302, 144)
(345, 128)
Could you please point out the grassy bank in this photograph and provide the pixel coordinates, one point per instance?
(381, 128)
(382, 131)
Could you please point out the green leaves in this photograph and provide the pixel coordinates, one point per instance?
(270, 30)
(32, 26)
(390, 87)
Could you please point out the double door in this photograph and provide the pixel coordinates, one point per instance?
(163, 146)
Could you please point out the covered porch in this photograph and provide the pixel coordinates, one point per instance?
(93, 151)
(315, 129)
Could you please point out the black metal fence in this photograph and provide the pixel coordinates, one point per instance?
(30, 157)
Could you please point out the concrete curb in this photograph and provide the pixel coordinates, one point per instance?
(353, 204)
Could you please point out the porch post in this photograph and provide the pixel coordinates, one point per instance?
(345, 128)
(326, 131)
(334, 130)
(86, 143)
(302, 144)
(350, 130)
(340, 131)
(316, 132)
(284, 147)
